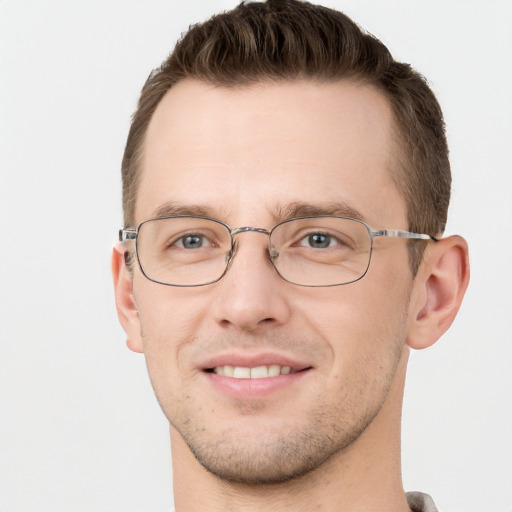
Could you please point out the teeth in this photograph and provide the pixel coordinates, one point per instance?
(242, 373)
(258, 372)
(274, 370)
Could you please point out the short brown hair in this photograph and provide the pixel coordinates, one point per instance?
(281, 40)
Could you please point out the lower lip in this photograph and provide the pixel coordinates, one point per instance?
(253, 388)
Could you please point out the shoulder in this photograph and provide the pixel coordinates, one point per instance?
(420, 502)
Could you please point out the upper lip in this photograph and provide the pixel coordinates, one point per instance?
(253, 360)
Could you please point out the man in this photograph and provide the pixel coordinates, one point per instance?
(285, 191)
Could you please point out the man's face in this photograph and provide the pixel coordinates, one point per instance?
(247, 156)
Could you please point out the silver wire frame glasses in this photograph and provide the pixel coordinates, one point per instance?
(189, 250)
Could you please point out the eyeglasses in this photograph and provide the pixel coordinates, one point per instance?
(307, 251)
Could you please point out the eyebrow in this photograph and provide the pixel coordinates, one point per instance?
(279, 214)
(172, 208)
(304, 209)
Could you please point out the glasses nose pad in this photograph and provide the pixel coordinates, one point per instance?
(273, 253)
(231, 253)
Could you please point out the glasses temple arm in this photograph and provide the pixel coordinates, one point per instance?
(397, 233)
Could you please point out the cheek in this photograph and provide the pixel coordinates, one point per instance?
(170, 319)
(362, 322)
(167, 328)
(168, 312)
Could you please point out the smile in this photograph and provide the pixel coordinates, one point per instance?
(257, 372)
(254, 377)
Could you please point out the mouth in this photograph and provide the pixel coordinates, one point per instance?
(256, 376)
(255, 372)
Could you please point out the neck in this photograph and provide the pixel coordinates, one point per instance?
(364, 476)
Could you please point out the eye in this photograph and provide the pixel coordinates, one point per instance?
(319, 241)
(192, 242)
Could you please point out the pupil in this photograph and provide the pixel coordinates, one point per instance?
(319, 241)
(192, 242)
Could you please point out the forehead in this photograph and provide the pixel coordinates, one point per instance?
(237, 151)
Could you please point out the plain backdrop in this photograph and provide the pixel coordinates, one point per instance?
(80, 430)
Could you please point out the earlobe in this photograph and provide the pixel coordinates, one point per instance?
(438, 291)
(125, 303)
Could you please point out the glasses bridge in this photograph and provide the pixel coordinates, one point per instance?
(248, 229)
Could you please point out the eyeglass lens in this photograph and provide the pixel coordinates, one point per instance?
(316, 251)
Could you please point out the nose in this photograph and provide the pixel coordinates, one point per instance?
(251, 296)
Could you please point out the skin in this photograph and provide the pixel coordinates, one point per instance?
(329, 439)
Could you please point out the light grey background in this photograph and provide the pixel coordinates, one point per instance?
(79, 427)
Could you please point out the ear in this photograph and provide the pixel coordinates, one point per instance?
(438, 289)
(125, 303)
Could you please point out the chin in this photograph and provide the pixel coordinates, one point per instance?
(261, 465)
(266, 455)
